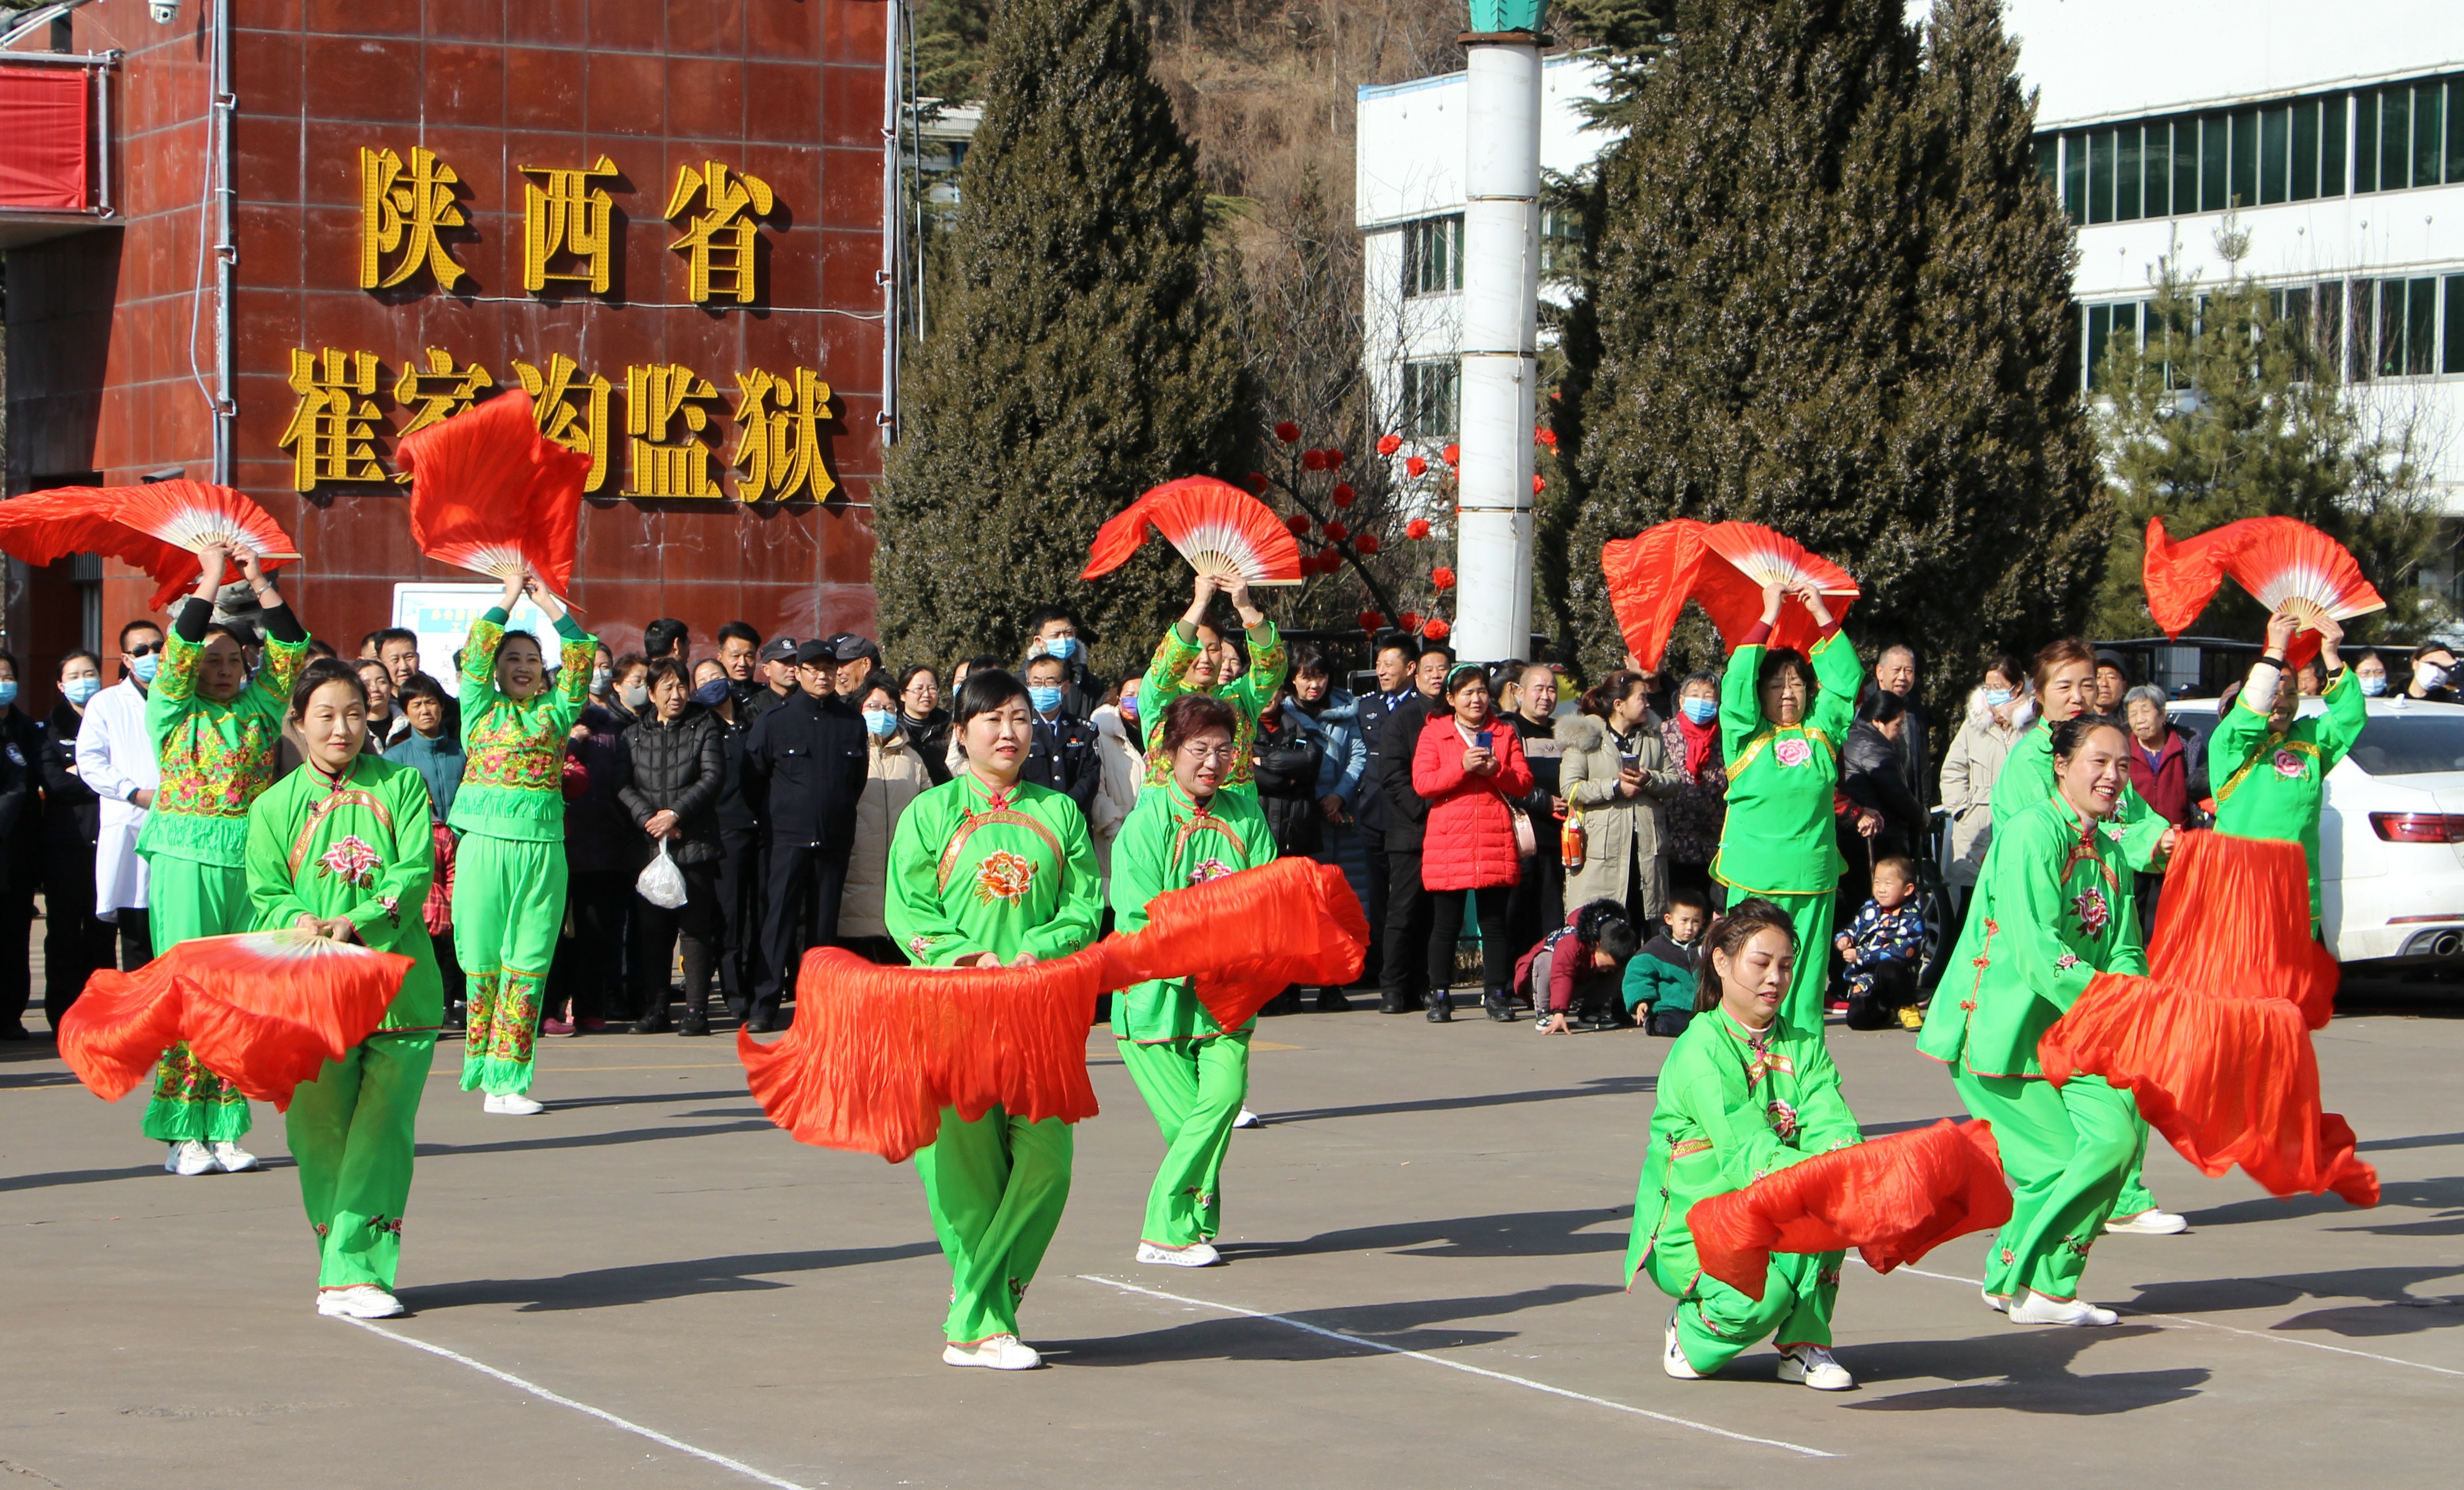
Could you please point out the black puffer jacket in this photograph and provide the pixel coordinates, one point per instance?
(679, 768)
(73, 815)
(1285, 772)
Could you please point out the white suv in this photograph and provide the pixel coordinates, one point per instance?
(2392, 834)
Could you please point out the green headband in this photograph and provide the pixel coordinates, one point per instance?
(1459, 669)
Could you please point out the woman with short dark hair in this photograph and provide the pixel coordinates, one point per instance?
(675, 766)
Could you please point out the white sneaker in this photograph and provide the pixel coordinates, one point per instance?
(510, 1105)
(1001, 1352)
(189, 1158)
(359, 1301)
(1673, 1360)
(1999, 1304)
(1815, 1366)
(2037, 1309)
(1197, 1255)
(232, 1159)
(2148, 1223)
(1246, 1119)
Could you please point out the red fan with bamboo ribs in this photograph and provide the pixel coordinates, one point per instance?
(264, 1009)
(2214, 1044)
(160, 527)
(1720, 567)
(1650, 576)
(490, 494)
(1217, 528)
(1894, 1200)
(2283, 564)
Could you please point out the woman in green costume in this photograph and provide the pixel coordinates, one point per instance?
(988, 871)
(2053, 908)
(1192, 1072)
(509, 874)
(1781, 729)
(2269, 766)
(2064, 675)
(1745, 1091)
(1190, 660)
(341, 849)
(216, 732)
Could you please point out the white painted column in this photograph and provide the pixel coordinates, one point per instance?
(1500, 347)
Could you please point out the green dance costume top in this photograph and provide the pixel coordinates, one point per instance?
(216, 756)
(1779, 840)
(2054, 908)
(1250, 695)
(1171, 843)
(973, 871)
(359, 848)
(513, 748)
(2280, 778)
(1732, 1106)
(2028, 778)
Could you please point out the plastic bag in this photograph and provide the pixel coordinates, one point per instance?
(662, 883)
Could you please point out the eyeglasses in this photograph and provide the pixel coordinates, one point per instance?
(1203, 753)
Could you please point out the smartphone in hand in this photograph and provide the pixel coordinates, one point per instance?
(1484, 738)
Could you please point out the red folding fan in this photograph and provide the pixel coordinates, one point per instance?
(1217, 528)
(2283, 564)
(2215, 1045)
(1720, 567)
(490, 494)
(1894, 1200)
(158, 527)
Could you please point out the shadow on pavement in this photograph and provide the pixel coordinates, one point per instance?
(1403, 1327)
(2438, 1194)
(1598, 1087)
(2390, 1309)
(607, 1288)
(1529, 1234)
(2017, 1369)
(517, 1145)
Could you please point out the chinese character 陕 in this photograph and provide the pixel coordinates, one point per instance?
(401, 210)
(333, 432)
(779, 435)
(719, 240)
(563, 215)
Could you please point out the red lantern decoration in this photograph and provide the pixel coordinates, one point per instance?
(1539, 484)
(1343, 494)
(1333, 457)
(1442, 577)
(1330, 560)
(1311, 461)
(1258, 483)
(1437, 629)
(1453, 455)
(1371, 620)
(1388, 444)
(1366, 542)
(1298, 522)
(1288, 432)
(1545, 436)
(1415, 466)
(1411, 621)
(1337, 532)
(1418, 527)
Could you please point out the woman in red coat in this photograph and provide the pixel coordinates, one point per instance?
(1470, 770)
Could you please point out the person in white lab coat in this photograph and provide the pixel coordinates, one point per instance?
(116, 758)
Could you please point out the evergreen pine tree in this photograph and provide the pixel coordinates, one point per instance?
(1081, 350)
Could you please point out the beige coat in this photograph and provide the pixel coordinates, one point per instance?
(1968, 771)
(1124, 769)
(893, 778)
(1617, 827)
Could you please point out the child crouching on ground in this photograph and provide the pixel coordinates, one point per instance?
(1572, 976)
(1659, 983)
(1880, 950)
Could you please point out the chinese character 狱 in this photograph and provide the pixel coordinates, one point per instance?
(333, 432)
(400, 211)
(571, 410)
(655, 399)
(779, 435)
(719, 239)
(439, 391)
(563, 214)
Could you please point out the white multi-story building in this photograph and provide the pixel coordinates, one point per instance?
(2334, 134)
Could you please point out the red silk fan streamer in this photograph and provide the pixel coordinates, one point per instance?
(265, 1008)
(1720, 567)
(488, 493)
(2278, 561)
(875, 1053)
(1649, 577)
(1894, 1200)
(1219, 527)
(44, 527)
(2215, 1044)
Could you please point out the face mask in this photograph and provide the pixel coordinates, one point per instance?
(711, 695)
(601, 678)
(80, 689)
(2430, 674)
(1059, 646)
(2372, 687)
(1045, 699)
(1995, 698)
(634, 695)
(1702, 711)
(7, 693)
(148, 666)
(883, 723)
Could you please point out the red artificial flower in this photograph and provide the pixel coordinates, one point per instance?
(1418, 527)
(1539, 484)
(1437, 629)
(1258, 483)
(1410, 619)
(1388, 444)
(1312, 459)
(1333, 457)
(1366, 542)
(1335, 533)
(1298, 522)
(1413, 465)
(1288, 432)
(1442, 577)
(1371, 620)
(1343, 494)
(1330, 560)
(1545, 436)
(1453, 455)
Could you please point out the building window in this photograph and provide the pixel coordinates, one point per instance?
(1432, 398)
(2099, 324)
(2409, 135)
(2454, 357)
(1561, 243)
(1433, 255)
(2407, 327)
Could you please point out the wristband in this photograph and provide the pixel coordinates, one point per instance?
(2271, 659)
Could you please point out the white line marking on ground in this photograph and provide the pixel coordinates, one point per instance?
(601, 1413)
(1457, 1365)
(2254, 1334)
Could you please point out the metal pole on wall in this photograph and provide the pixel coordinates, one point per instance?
(226, 248)
(1501, 330)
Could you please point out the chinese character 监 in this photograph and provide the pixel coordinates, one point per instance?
(563, 214)
(655, 399)
(778, 436)
(571, 410)
(439, 391)
(719, 240)
(333, 432)
(400, 211)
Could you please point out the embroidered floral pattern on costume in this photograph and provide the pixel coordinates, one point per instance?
(1690, 1145)
(1783, 1118)
(2288, 764)
(204, 776)
(1792, 751)
(503, 753)
(2093, 912)
(392, 905)
(920, 947)
(182, 1078)
(353, 860)
(1209, 869)
(321, 1230)
(2066, 962)
(2075, 1242)
(516, 1021)
(1003, 876)
(391, 1225)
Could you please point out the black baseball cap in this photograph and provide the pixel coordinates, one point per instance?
(2106, 657)
(779, 649)
(813, 651)
(848, 646)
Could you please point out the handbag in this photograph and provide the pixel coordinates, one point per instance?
(661, 883)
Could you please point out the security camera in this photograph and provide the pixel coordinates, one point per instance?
(164, 12)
